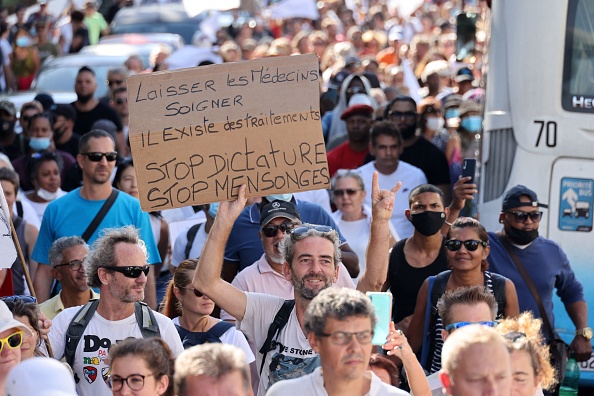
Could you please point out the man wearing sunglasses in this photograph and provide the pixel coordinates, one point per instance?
(311, 253)
(73, 213)
(66, 257)
(118, 266)
(544, 261)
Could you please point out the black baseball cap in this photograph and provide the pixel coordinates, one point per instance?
(276, 209)
(512, 198)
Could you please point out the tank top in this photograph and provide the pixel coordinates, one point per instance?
(18, 279)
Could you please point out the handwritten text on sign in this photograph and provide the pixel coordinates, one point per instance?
(199, 134)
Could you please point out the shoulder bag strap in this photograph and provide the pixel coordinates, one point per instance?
(520, 267)
(426, 328)
(100, 215)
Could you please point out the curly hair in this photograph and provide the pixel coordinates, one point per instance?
(523, 334)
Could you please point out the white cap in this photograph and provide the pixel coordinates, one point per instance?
(441, 67)
(40, 376)
(7, 321)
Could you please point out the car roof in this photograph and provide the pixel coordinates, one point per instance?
(85, 60)
(152, 13)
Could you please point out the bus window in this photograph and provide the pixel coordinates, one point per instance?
(578, 68)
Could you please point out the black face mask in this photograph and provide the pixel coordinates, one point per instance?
(408, 132)
(521, 237)
(6, 127)
(427, 223)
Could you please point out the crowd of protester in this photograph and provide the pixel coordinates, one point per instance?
(257, 296)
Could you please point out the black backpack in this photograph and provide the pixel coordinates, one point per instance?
(212, 336)
(144, 317)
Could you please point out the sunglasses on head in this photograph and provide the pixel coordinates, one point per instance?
(131, 271)
(96, 156)
(302, 229)
(271, 231)
(13, 341)
(522, 217)
(196, 292)
(24, 299)
(457, 325)
(471, 245)
(347, 191)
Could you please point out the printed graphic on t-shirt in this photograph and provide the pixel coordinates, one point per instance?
(284, 367)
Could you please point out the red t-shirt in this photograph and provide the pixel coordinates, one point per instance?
(343, 157)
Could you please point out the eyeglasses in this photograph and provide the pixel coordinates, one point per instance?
(270, 231)
(347, 191)
(96, 156)
(514, 336)
(131, 271)
(521, 217)
(401, 114)
(121, 101)
(302, 229)
(471, 245)
(24, 299)
(457, 325)
(114, 82)
(135, 382)
(343, 337)
(75, 265)
(13, 341)
(197, 292)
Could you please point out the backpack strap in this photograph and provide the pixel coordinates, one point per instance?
(439, 287)
(499, 292)
(76, 328)
(426, 329)
(19, 208)
(220, 328)
(146, 320)
(279, 322)
(191, 236)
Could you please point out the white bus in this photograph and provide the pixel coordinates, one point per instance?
(539, 127)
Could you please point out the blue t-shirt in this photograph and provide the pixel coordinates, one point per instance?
(548, 268)
(244, 245)
(72, 214)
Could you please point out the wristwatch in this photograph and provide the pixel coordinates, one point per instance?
(586, 332)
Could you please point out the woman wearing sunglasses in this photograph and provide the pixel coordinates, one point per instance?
(530, 361)
(467, 248)
(352, 216)
(11, 338)
(25, 310)
(141, 367)
(190, 311)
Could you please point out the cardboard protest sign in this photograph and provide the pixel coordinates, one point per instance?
(7, 247)
(198, 134)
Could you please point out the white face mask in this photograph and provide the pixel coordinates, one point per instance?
(47, 195)
(434, 123)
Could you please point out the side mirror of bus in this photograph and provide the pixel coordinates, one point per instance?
(466, 35)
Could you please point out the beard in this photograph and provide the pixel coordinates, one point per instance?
(304, 291)
(125, 294)
(84, 99)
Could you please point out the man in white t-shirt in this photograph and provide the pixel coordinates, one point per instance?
(339, 325)
(311, 255)
(386, 146)
(118, 266)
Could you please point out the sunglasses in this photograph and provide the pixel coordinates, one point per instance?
(522, 217)
(121, 101)
(301, 230)
(96, 156)
(457, 325)
(471, 245)
(347, 191)
(131, 271)
(196, 292)
(13, 341)
(270, 231)
(114, 82)
(75, 265)
(24, 299)
(401, 114)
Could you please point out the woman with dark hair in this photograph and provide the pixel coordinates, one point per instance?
(385, 369)
(191, 311)
(25, 310)
(141, 365)
(467, 248)
(44, 174)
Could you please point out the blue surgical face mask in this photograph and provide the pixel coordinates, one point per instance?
(472, 123)
(279, 197)
(452, 113)
(39, 144)
(22, 41)
(213, 209)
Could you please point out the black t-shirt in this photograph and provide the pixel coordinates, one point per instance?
(17, 148)
(70, 146)
(405, 281)
(86, 119)
(432, 161)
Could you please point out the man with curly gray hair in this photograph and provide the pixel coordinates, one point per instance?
(118, 266)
